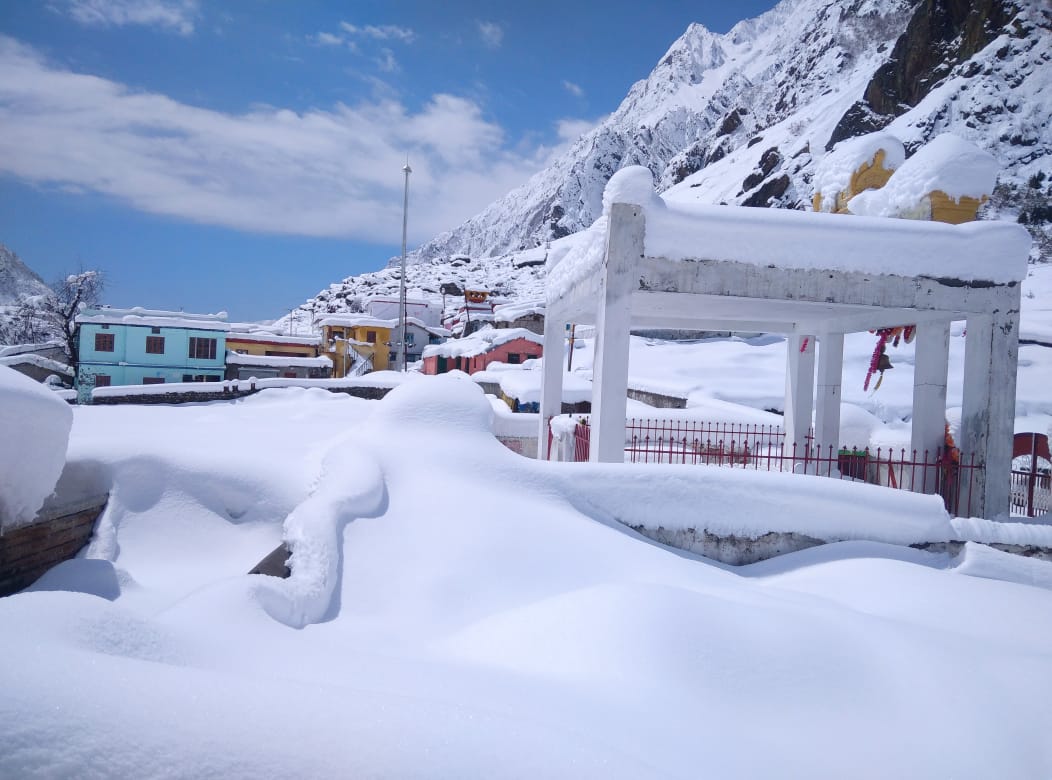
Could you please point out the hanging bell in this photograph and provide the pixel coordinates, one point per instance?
(884, 363)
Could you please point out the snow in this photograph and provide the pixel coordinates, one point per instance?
(237, 359)
(509, 312)
(480, 342)
(987, 251)
(834, 171)
(947, 163)
(386, 379)
(525, 387)
(458, 610)
(36, 426)
(37, 360)
(154, 318)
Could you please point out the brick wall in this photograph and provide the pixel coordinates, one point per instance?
(28, 551)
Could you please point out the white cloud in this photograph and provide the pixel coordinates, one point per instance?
(325, 172)
(328, 39)
(570, 130)
(177, 15)
(573, 89)
(386, 61)
(384, 32)
(492, 34)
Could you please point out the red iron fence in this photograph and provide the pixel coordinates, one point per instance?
(1031, 475)
(763, 447)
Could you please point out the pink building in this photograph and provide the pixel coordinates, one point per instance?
(475, 352)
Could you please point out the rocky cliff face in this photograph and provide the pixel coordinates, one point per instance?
(742, 119)
(17, 280)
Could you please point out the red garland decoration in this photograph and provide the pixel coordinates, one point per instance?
(874, 361)
(900, 332)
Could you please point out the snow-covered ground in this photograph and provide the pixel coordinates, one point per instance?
(459, 611)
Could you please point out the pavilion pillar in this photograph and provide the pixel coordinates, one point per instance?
(988, 413)
(624, 249)
(827, 399)
(931, 364)
(551, 380)
(799, 391)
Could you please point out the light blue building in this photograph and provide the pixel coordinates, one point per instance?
(143, 347)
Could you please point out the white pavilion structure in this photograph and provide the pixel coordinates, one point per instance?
(810, 276)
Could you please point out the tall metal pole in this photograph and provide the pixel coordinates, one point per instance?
(400, 359)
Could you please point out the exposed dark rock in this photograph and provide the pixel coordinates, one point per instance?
(772, 190)
(730, 123)
(940, 35)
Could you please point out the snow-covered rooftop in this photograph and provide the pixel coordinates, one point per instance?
(525, 387)
(155, 318)
(304, 361)
(480, 341)
(509, 312)
(249, 332)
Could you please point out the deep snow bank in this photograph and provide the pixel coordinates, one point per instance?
(462, 611)
(34, 426)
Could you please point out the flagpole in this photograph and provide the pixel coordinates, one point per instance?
(401, 361)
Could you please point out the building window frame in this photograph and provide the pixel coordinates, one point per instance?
(155, 345)
(201, 348)
(105, 342)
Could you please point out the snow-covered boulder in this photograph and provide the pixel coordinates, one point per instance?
(36, 425)
(854, 166)
(946, 180)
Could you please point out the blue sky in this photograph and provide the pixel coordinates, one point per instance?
(240, 156)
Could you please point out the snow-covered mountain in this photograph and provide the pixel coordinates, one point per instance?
(17, 280)
(743, 118)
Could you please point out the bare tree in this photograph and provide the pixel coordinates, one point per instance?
(68, 297)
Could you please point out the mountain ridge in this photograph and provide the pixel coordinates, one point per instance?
(743, 117)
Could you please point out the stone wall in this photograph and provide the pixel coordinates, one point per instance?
(370, 393)
(657, 399)
(28, 551)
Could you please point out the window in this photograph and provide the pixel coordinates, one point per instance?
(514, 357)
(409, 338)
(188, 377)
(155, 331)
(102, 380)
(202, 348)
(392, 357)
(282, 353)
(153, 380)
(155, 345)
(104, 342)
(370, 336)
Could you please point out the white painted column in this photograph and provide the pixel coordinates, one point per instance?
(931, 363)
(624, 248)
(988, 414)
(827, 399)
(799, 391)
(551, 380)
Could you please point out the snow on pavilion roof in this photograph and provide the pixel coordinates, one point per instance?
(984, 252)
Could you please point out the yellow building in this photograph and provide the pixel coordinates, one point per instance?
(263, 353)
(357, 343)
(269, 344)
